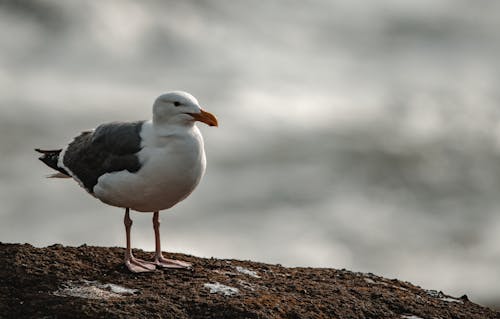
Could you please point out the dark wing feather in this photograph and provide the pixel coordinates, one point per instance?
(51, 158)
(110, 148)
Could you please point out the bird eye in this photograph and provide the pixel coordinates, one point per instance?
(177, 103)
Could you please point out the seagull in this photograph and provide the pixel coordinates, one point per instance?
(146, 166)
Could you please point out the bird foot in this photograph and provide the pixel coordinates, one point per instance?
(171, 263)
(137, 265)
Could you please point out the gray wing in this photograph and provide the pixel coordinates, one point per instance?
(109, 148)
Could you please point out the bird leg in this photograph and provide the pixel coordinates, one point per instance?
(159, 259)
(135, 265)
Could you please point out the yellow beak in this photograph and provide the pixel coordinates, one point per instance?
(205, 117)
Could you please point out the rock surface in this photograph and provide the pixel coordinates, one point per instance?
(91, 282)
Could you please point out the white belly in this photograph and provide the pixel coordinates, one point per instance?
(170, 172)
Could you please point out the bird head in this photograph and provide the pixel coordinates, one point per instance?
(180, 108)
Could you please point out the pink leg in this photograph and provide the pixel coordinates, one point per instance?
(134, 264)
(159, 259)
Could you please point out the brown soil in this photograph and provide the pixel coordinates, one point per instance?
(33, 282)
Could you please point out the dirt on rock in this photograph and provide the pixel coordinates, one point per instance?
(92, 282)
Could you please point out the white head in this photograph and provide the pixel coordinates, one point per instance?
(180, 108)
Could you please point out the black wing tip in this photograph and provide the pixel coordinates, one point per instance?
(39, 150)
(50, 158)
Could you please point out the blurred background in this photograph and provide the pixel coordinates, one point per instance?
(354, 134)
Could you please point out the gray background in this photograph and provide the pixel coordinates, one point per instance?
(354, 134)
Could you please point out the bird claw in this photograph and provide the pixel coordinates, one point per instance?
(137, 265)
(171, 263)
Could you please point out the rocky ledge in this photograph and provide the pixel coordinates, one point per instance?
(91, 282)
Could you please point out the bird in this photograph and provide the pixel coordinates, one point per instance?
(145, 166)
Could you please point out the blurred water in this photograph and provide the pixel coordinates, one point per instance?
(360, 135)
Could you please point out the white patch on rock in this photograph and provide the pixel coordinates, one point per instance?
(93, 290)
(441, 296)
(410, 317)
(246, 271)
(218, 288)
(119, 289)
(450, 299)
(435, 293)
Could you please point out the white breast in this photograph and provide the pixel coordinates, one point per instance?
(173, 164)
